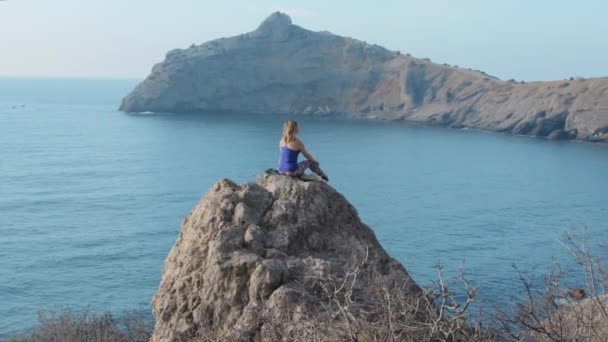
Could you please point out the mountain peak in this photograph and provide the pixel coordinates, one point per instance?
(277, 21)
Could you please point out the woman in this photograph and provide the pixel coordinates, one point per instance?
(290, 147)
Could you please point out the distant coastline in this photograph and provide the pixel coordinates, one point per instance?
(283, 68)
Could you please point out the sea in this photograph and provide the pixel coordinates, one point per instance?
(91, 198)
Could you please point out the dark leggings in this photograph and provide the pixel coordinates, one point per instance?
(302, 166)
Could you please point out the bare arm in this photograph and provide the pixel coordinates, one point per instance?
(304, 151)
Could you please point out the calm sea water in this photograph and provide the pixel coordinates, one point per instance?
(91, 198)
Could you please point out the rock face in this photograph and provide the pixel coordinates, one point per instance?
(264, 247)
(283, 68)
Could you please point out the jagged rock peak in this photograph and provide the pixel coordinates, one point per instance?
(266, 248)
(277, 21)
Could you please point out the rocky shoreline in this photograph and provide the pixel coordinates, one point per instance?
(283, 68)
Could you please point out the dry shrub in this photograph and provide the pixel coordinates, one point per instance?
(391, 313)
(69, 326)
(556, 312)
(546, 313)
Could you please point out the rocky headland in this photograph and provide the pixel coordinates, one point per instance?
(284, 68)
(280, 256)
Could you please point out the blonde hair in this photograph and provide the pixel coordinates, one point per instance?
(290, 128)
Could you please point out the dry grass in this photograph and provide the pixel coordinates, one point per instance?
(68, 326)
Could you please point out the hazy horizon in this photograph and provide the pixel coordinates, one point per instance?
(544, 40)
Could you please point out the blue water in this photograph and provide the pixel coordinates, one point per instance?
(91, 198)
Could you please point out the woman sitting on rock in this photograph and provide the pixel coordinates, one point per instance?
(290, 147)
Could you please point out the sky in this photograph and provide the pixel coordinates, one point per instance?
(521, 39)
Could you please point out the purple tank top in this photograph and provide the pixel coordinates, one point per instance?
(289, 159)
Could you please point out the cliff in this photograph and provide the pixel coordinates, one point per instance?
(280, 251)
(283, 68)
